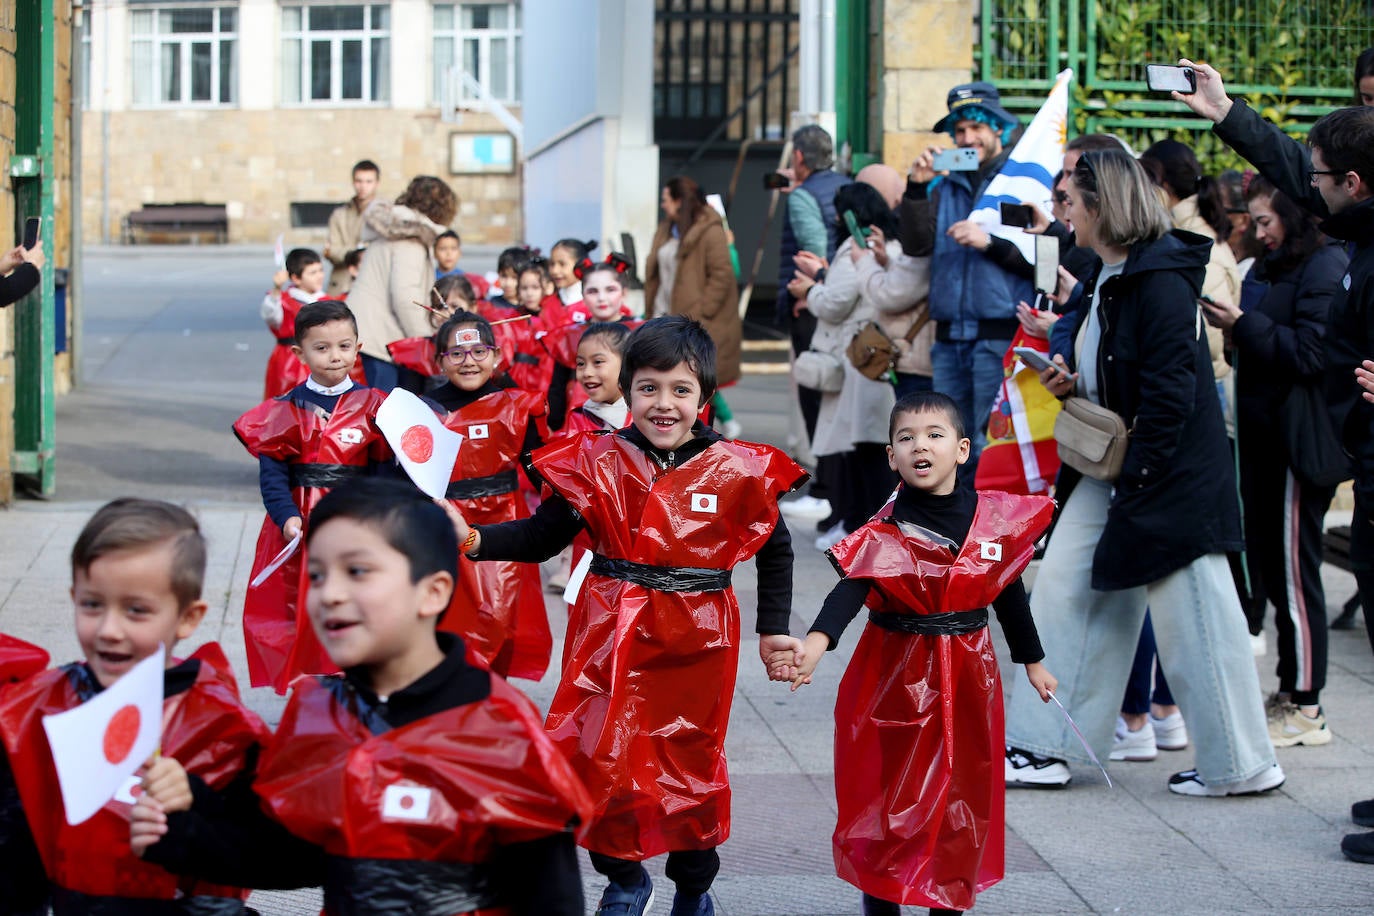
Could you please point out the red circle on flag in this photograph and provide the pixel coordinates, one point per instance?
(418, 443)
(121, 734)
(406, 803)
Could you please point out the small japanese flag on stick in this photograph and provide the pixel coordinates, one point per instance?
(98, 745)
(423, 445)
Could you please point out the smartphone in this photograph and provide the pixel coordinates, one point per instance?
(956, 160)
(1046, 264)
(1018, 215)
(856, 233)
(1171, 79)
(32, 227)
(1035, 359)
(773, 181)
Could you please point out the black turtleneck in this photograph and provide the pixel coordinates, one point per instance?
(950, 516)
(555, 523)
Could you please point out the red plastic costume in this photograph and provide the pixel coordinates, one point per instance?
(323, 450)
(416, 354)
(561, 344)
(284, 369)
(205, 728)
(522, 356)
(451, 787)
(19, 659)
(649, 674)
(498, 607)
(918, 718)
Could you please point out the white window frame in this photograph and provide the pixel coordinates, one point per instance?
(305, 36)
(460, 37)
(157, 39)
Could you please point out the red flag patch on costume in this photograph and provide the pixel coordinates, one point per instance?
(406, 803)
(425, 448)
(98, 745)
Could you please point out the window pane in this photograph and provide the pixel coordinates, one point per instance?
(381, 16)
(200, 71)
(291, 70)
(171, 73)
(336, 18)
(472, 58)
(141, 21)
(443, 17)
(515, 15)
(291, 20)
(474, 15)
(229, 71)
(191, 20)
(443, 59)
(515, 91)
(496, 17)
(319, 69)
(352, 56)
(381, 70)
(499, 85)
(144, 76)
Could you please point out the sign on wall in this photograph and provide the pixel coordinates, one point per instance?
(481, 154)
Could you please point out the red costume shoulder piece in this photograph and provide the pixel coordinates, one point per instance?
(450, 788)
(19, 659)
(205, 728)
(414, 353)
(928, 704)
(620, 712)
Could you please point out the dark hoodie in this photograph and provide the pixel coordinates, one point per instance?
(1176, 498)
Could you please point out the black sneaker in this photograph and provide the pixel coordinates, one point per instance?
(1026, 769)
(1359, 847)
(1362, 813)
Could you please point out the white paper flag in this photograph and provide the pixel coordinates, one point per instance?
(282, 556)
(425, 448)
(98, 745)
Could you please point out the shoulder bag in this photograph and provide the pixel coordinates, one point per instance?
(1092, 439)
(873, 353)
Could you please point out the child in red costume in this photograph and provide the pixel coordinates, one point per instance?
(449, 294)
(598, 373)
(604, 299)
(137, 570)
(416, 782)
(520, 327)
(300, 283)
(922, 693)
(653, 638)
(497, 607)
(566, 257)
(314, 437)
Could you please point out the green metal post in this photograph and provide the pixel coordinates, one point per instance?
(32, 174)
(851, 79)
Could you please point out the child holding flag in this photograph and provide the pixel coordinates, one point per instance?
(137, 572)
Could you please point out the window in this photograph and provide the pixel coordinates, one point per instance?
(482, 38)
(334, 54)
(310, 214)
(184, 56)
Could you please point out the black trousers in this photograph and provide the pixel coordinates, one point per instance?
(1362, 556)
(692, 870)
(1283, 540)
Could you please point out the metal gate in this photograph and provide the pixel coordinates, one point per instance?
(1292, 59)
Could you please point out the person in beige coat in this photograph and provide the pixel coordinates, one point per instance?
(346, 225)
(397, 274)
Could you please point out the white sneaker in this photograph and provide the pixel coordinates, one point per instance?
(831, 537)
(1259, 646)
(731, 429)
(1190, 783)
(1138, 745)
(805, 507)
(1170, 732)
(1023, 768)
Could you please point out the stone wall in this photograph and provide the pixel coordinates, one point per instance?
(927, 50)
(257, 162)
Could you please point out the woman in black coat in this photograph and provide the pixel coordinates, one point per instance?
(1157, 535)
(1277, 335)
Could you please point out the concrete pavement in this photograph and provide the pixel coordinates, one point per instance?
(164, 378)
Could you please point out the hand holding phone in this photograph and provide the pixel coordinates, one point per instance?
(1018, 215)
(1035, 359)
(33, 226)
(1162, 78)
(856, 232)
(775, 181)
(956, 160)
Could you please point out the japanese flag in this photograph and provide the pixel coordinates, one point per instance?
(98, 746)
(425, 448)
(406, 803)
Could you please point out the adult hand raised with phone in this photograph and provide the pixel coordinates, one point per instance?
(1210, 101)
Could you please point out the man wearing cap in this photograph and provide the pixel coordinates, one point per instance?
(975, 279)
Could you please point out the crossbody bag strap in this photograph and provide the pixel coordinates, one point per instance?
(919, 323)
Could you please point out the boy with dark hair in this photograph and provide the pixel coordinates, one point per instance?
(137, 572)
(299, 283)
(308, 440)
(414, 782)
(509, 264)
(653, 637)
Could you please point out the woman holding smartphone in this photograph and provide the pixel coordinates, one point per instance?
(20, 271)
(1155, 536)
(1277, 342)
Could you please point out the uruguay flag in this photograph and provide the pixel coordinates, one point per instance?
(1028, 173)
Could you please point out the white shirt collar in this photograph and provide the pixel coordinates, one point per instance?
(338, 389)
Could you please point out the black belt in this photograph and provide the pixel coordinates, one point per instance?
(954, 623)
(492, 485)
(988, 329)
(662, 578)
(286, 341)
(525, 358)
(323, 475)
(365, 887)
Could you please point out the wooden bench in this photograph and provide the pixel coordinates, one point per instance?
(1336, 551)
(175, 223)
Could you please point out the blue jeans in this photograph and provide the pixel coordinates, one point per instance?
(909, 383)
(1090, 640)
(1138, 694)
(970, 372)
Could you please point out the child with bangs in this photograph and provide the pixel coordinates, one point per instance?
(603, 290)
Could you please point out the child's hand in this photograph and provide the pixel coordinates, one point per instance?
(460, 525)
(147, 824)
(1041, 679)
(279, 279)
(780, 654)
(813, 650)
(291, 529)
(166, 782)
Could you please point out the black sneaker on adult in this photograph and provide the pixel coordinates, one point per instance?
(1024, 768)
(1359, 847)
(1362, 813)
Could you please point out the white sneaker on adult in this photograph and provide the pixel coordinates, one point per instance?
(1170, 732)
(1134, 746)
(805, 507)
(1190, 783)
(1259, 646)
(831, 537)
(1023, 768)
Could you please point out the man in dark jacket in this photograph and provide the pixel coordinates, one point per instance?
(976, 279)
(1335, 180)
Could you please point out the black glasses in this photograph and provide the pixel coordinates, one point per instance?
(1313, 173)
(459, 354)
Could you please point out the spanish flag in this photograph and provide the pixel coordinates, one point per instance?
(1021, 455)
